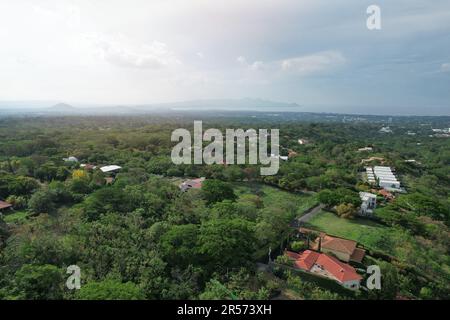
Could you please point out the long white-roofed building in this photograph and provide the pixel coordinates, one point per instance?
(110, 168)
(386, 178)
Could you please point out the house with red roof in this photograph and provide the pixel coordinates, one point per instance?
(192, 184)
(326, 266)
(344, 249)
(4, 206)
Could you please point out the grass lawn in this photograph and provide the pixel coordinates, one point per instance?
(274, 197)
(16, 217)
(370, 234)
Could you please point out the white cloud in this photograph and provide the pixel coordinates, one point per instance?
(254, 66)
(445, 67)
(241, 60)
(122, 52)
(310, 64)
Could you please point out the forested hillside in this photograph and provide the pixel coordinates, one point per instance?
(135, 235)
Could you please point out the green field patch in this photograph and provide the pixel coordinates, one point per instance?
(275, 197)
(16, 217)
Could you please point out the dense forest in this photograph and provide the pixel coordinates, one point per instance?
(135, 235)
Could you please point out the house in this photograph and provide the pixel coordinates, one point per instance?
(345, 250)
(386, 194)
(413, 161)
(111, 168)
(70, 159)
(192, 184)
(369, 202)
(87, 166)
(326, 266)
(4, 206)
(303, 141)
(365, 149)
(284, 158)
(109, 180)
(385, 130)
(292, 153)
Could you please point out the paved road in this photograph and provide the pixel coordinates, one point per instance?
(306, 217)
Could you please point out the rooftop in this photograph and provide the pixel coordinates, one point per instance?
(110, 168)
(338, 244)
(4, 205)
(313, 261)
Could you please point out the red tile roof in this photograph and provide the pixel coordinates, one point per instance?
(385, 193)
(4, 205)
(194, 183)
(338, 244)
(358, 255)
(305, 260)
(339, 270)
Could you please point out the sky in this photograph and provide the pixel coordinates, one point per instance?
(318, 54)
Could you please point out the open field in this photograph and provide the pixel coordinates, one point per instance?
(275, 197)
(370, 234)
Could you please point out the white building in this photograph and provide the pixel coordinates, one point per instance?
(385, 130)
(70, 159)
(370, 175)
(386, 178)
(369, 203)
(110, 168)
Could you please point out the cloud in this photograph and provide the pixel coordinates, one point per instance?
(241, 60)
(122, 52)
(310, 64)
(307, 65)
(254, 66)
(445, 67)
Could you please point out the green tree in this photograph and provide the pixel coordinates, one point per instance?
(215, 290)
(226, 243)
(178, 245)
(39, 282)
(346, 210)
(216, 191)
(110, 289)
(42, 201)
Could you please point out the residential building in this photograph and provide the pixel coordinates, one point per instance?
(88, 166)
(303, 141)
(385, 130)
(369, 203)
(191, 184)
(326, 266)
(344, 249)
(110, 168)
(386, 194)
(70, 159)
(365, 149)
(4, 206)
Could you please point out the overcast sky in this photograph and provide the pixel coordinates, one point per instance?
(312, 52)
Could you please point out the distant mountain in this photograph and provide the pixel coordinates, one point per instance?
(225, 104)
(246, 104)
(62, 107)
